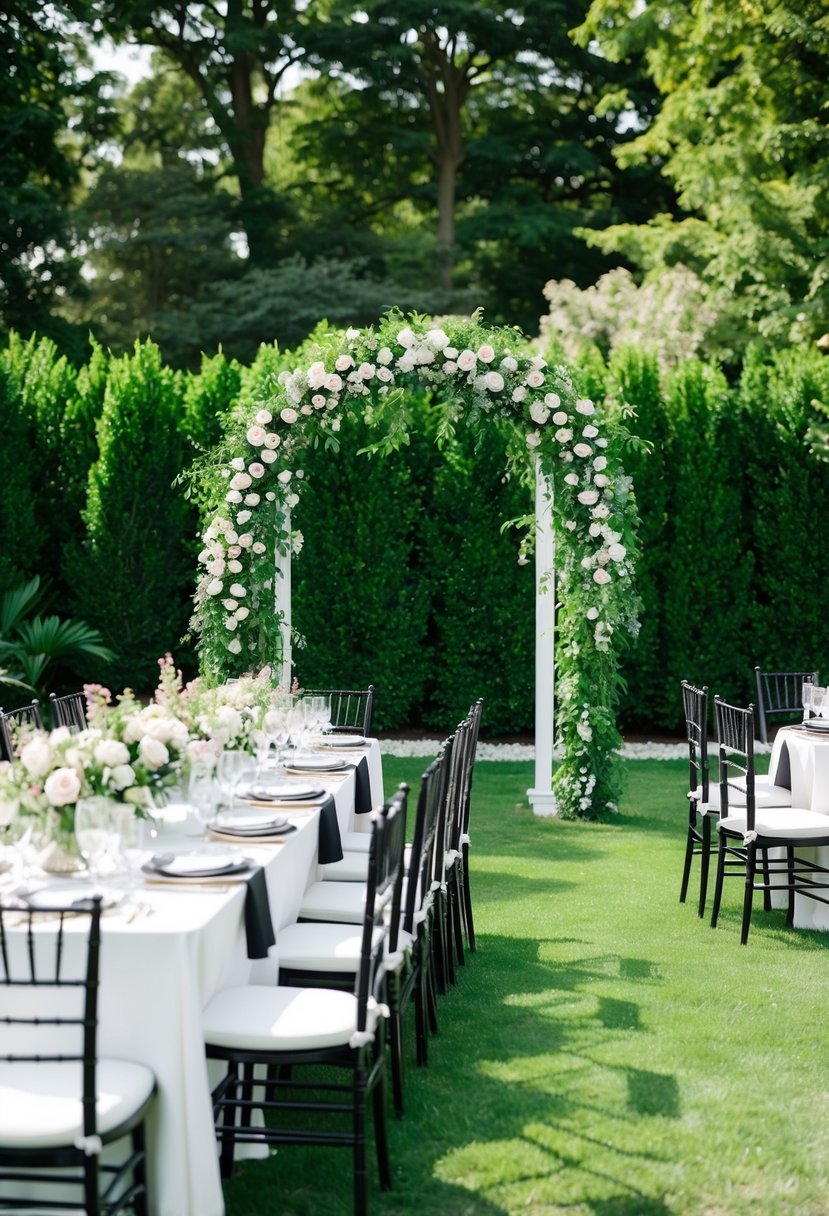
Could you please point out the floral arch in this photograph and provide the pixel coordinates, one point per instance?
(484, 377)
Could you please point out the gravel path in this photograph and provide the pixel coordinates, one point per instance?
(526, 751)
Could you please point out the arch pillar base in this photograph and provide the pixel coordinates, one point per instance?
(543, 803)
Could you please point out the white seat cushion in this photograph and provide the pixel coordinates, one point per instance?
(782, 822)
(765, 794)
(321, 947)
(282, 1019)
(355, 842)
(40, 1103)
(352, 868)
(336, 901)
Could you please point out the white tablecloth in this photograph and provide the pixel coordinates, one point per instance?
(159, 970)
(800, 761)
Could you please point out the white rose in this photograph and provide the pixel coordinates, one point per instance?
(37, 757)
(343, 362)
(237, 590)
(240, 481)
(233, 496)
(508, 364)
(406, 337)
(384, 356)
(122, 777)
(235, 567)
(384, 374)
(110, 753)
(449, 368)
(263, 417)
(588, 497)
(437, 339)
(592, 613)
(242, 613)
(243, 517)
(533, 439)
(601, 480)
(284, 476)
(485, 353)
(585, 407)
(601, 576)
(258, 547)
(617, 552)
(494, 381)
(246, 540)
(234, 646)
(272, 440)
(214, 587)
(267, 455)
(153, 752)
(600, 463)
(252, 500)
(552, 401)
(288, 415)
(564, 434)
(539, 412)
(237, 463)
(333, 383)
(534, 378)
(590, 432)
(466, 360)
(572, 479)
(256, 469)
(559, 418)
(62, 787)
(583, 449)
(518, 394)
(256, 436)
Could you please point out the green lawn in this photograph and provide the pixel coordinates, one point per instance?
(605, 1052)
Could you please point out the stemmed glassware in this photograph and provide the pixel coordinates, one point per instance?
(317, 713)
(98, 835)
(276, 731)
(818, 700)
(233, 765)
(807, 694)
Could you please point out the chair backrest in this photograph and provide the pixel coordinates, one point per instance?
(383, 887)
(6, 749)
(695, 705)
(24, 715)
(69, 710)
(421, 857)
(779, 692)
(735, 737)
(350, 709)
(474, 721)
(52, 1026)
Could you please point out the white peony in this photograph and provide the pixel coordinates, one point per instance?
(110, 753)
(153, 752)
(62, 787)
(122, 777)
(37, 757)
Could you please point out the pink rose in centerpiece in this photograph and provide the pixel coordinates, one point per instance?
(62, 787)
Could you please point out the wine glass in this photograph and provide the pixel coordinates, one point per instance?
(806, 695)
(97, 833)
(276, 732)
(818, 700)
(318, 713)
(233, 765)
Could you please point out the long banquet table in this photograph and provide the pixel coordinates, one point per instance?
(800, 762)
(165, 952)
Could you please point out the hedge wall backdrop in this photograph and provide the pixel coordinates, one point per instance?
(730, 495)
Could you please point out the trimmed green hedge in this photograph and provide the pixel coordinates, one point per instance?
(406, 579)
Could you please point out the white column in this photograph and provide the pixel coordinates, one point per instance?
(282, 599)
(542, 799)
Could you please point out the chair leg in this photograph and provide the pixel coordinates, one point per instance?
(704, 863)
(689, 856)
(456, 904)
(396, 1049)
(467, 901)
(715, 911)
(748, 898)
(790, 864)
(227, 1131)
(439, 945)
(381, 1140)
(91, 1186)
(359, 1118)
(766, 881)
(139, 1173)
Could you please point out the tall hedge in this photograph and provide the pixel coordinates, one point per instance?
(134, 571)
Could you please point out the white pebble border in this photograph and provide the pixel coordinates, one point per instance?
(526, 751)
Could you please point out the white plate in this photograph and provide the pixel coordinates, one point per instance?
(311, 763)
(817, 724)
(248, 821)
(65, 896)
(343, 741)
(275, 791)
(185, 865)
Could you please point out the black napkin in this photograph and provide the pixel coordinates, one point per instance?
(362, 792)
(783, 773)
(258, 923)
(330, 847)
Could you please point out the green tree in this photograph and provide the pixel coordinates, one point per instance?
(51, 106)
(237, 57)
(742, 131)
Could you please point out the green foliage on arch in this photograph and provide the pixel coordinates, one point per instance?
(481, 378)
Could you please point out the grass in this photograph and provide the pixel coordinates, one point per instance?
(605, 1052)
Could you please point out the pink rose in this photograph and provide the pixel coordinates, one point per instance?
(585, 407)
(333, 383)
(256, 436)
(583, 450)
(343, 363)
(535, 378)
(601, 576)
(466, 360)
(256, 469)
(62, 787)
(288, 415)
(493, 380)
(486, 354)
(239, 481)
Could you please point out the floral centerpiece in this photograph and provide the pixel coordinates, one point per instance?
(129, 753)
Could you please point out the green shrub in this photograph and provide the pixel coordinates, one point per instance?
(134, 573)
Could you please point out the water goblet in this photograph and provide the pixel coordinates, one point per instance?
(818, 700)
(806, 695)
(97, 833)
(233, 765)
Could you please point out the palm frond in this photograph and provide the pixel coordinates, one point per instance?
(15, 604)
